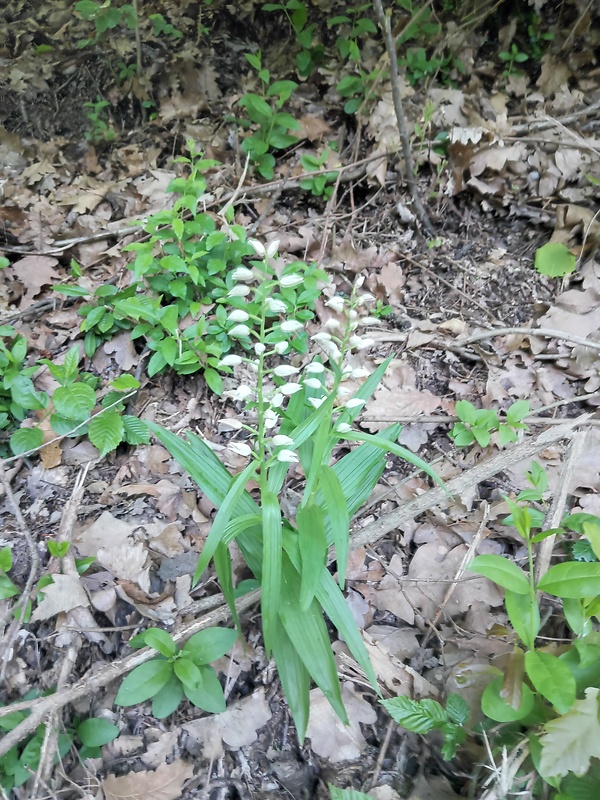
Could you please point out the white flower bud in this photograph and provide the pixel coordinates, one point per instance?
(290, 388)
(239, 331)
(230, 361)
(352, 313)
(270, 419)
(313, 383)
(285, 371)
(343, 391)
(321, 337)
(287, 456)
(259, 348)
(315, 368)
(258, 247)
(356, 402)
(242, 274)
(281, 348)
(293, 279)
(332, 324)
(230, 424)
(238, 316)
(359, 343)
(239, 291)
(337, 303)
(291, 326)
(316, 402)
(240, 448)
(272, 248)
(276, 306)
(359, 372)
(276, 401)
(359, 281)
(240, 394)
(366, 298)
(343, 427)
(370, 321)
(282, 441)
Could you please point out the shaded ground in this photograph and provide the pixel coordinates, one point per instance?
(522, 165)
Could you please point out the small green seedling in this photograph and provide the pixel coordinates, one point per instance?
(424, 716)
(510, 58)
(318, 185)
(101, 130)
(7, 587)
(178, 672)
(478, 424)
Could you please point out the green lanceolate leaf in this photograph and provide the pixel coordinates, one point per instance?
(95, 732)
(552, 678)
(210, 644)
(209, 695)
(338, 516)
(313, 550)
(187, 672)
(271, 565)
(572, 579)
(224, 514)
(524, 615)
(502, 571)
(295, 679)
(144, 682)
(166, 701)
(224, 570)
(160, 640)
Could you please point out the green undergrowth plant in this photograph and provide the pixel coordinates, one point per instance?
(100, 126)
(177, 672)
(318, 185)
(480, 424)
(106, 16)
(292, 417)
(181, 275)
(546, 697)
(555, 260)
(268, 127)
(311, 52)
(78, 405)
(21, 761)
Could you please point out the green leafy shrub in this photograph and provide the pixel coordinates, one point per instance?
(478, 424)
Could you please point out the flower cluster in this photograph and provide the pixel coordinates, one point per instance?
(259, 300)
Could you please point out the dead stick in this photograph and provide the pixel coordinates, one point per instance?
(409, 167)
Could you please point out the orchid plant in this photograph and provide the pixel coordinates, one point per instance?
(291, 414)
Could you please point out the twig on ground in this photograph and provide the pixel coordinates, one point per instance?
(547, 333)
(20, 607)
(409, 168)
(382, 754)
(557, 507)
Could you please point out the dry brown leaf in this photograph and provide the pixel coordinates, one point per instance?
(126, 561)
(34, 272)
(164, 783)
(328, 735)
(107, 532)
(64, 594)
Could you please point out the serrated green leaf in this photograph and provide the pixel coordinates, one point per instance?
(75, 401)
(106, 431)
(410, 714)
(26, 439)
(457, 709)
(135, 430)
(502, 571)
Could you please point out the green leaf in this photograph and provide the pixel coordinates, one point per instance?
(457, 709)
(271, 565)
(26, 439)
(166, 701)
(555, 260)
(144, 682)
(6, 559)
(24, 394)
(495, 707)
(188, 673)
(209, 696)
(502, 571)
(418, 716)
(294, 677)
(337, 516)
(224, 514)
(313, 551)
(524, 615)
(210, 644)
(572, 579)
(96, 732)
(347, 794)
(7, 588)
(159, 640)
(75, 401)
(106, 431)
(135, 430)
(552, 678)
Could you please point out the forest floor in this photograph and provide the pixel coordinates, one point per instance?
(464, 315)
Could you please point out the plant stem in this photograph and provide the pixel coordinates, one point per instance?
(409, 168)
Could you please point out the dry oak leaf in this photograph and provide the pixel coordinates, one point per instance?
(34, 272)
(571, 741)
(164, 783)
(64, 594)
(328, 735)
